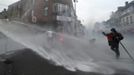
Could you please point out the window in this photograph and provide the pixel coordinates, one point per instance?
(46, 11)
(46, 0)
(122, 21)
(33, 2)
(46, 3)
(127, 21)
(131, 19)
(55, 10)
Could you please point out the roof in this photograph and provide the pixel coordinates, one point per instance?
(122, 8)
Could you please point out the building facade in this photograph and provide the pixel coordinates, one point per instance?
(43, 10)
(58, 14)
(123, 18)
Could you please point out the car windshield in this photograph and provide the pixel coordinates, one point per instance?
(93, 37)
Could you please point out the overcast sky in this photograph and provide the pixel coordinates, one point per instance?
(88, 11)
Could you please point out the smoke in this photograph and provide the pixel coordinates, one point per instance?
(71, 52)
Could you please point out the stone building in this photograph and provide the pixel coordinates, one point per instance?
(57, 14)
(123, 18)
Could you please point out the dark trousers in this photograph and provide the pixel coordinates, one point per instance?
(115, 48)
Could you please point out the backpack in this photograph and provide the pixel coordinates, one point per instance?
(120, 37)
(109, 37)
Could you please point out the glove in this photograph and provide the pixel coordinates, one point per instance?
(103, 33)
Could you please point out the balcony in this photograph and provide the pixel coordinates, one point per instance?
(64, 18)
(63, 12)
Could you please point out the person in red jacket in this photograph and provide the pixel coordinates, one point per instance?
(113, 39)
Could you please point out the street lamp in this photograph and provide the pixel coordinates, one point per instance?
(75, 1)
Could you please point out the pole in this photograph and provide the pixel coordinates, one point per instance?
(75, 27)
(6, 45)
(127, 51)
(75, 33)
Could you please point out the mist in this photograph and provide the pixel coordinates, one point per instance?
(88, 55)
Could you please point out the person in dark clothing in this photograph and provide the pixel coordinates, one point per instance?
(114, 39)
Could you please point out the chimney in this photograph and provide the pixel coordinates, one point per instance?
(126, 3)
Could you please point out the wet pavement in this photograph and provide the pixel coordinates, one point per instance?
(71, 55)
